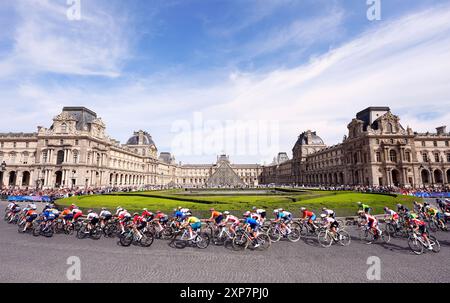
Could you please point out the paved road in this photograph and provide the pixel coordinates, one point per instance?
(25, 258)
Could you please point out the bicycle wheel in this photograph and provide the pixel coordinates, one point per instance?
(294, 236)
(264, 241)
(239, 241)
(324, 238)
(274, 234)
(202, 240)
(96, 233)
(390, 228)
(344, 238)
(432, 225)
(435, 244)
(126, 239)
(218, 239)
(37, 230)
(415, 245)
(20, 227)
(385, 236)
(179, 241)
(167, 233)
(82, 233)
(147, 240)
(304, 230)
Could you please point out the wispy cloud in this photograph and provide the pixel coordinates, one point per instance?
(45, 41)
(404, 64)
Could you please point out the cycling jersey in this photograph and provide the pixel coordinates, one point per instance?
(252, 223)
(92, 216)
(232, 219)
(194, 222)
(105, 214)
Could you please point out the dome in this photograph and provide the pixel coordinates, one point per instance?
(141, 138)
(309, 138)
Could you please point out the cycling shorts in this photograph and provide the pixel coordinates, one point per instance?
(196, 225)
(31, 218)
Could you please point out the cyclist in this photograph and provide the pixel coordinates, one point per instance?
(139, 223)
(92, 218)
(418, 225)
(66, 215)
(31, 215)
(418, 207)
(402, 210)
(77, 213)
(261, 212)
(310, 216)
(233, 220)
(366, 208)
(371, 223)
(391, 215)
(216, 216)
(11, 205)
(105, 216)
(251, 225)
(124, 216)
(329, 212)
(179, 215)
(193, 223)
(330, 222)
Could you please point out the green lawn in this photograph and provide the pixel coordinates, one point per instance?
(344, 203)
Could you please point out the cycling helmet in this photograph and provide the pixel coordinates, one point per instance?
(254, 208)
(399, 205)
(135, 214)
(281, 209)
(89, 211)
(33, 207)
(324, 209)
(302, 209)
(275, 211)
(246, 214)
(323, 216)
(188, 214)
(158, 211)
(226, 213)
(144, 209)
(359, 203)
(119, 207)
(212, 209)
(103, 208)
(386, 208)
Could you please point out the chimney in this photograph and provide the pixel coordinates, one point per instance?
(441, 130)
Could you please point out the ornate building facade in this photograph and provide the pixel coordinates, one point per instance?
(377, 151)
(76, 152)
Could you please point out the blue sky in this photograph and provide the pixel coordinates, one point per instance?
(152, 65)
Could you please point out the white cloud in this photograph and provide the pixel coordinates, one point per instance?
(46, 41)
(403, 64)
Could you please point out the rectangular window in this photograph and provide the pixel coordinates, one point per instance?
(378, 155)
(408, 156)
(423, 143)
(435, 143)
(448, 157)
(447, 143)
(14, 144)
(436, 157)
(425, 157)
(76, 142)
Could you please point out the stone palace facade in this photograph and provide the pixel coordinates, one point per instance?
(76, 152)
(378, 151)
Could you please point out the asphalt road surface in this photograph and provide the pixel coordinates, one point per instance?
(24, 258)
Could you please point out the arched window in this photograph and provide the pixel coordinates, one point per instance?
(393, 156)
(408, 156)
(425, 157)
(64, 128)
